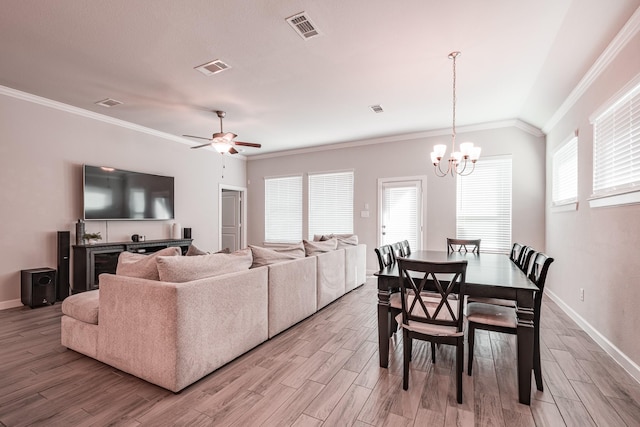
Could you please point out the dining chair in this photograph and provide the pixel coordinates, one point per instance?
(515, 252)
(524, 261)
(491, 317)
(398, 251)
(385, 256)
(435, 318)
(406, 248)
(463, 245)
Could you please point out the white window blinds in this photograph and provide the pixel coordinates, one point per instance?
(330, 203)
(484, 205)
(616, 146)
(565, 173)
(283, 209)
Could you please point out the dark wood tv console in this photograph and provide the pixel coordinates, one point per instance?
(89, 261)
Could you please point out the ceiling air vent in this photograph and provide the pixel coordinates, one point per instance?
(303, 25)
(376, 108)
(108, 102)
(213, 67)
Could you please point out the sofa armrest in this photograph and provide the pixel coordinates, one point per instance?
(172, 334)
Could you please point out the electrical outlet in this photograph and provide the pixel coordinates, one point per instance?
(581, 294)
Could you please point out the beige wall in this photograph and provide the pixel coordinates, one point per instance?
(42, 150)
(597, 249)
(409, 157)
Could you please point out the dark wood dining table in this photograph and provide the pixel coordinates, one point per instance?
(488, 275)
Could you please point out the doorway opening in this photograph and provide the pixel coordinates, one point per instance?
(231, 217)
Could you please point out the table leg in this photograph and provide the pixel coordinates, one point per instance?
(383, 326)
(525, 331)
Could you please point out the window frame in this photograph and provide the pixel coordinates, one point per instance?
(626, 192)
(503, 237)
(567, 152)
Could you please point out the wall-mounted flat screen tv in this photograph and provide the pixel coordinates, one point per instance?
(110, 193)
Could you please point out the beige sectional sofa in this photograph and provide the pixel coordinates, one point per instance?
(173, 334)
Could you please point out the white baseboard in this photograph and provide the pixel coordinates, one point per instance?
(623, 360)
(4, 305)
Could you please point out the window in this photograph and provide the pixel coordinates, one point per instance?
(616, 145)
(484, 205)
(330, 203)
(283, 209)
(565, 173)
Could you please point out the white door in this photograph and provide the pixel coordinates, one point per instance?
(231, 226)
(400, 212)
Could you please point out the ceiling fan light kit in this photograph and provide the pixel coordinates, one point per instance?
(223, 142)
(458, 159)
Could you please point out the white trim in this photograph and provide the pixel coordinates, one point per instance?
(623, 360)
(12, 303)
(243, 226)
(566, 207)
(627, 198)
(517, 123)
(628, 31)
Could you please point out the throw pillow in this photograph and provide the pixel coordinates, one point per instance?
(194, 251)
(185, 269)
(266, 256)
(314, 248)
(142, 265)
(344, 240)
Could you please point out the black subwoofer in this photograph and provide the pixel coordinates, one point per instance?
(38, 286)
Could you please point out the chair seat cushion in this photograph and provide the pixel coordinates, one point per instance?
(429, 328)
(83, 306)
(495, 301)
(491, 314)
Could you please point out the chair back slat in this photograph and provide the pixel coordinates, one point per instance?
(463, 245)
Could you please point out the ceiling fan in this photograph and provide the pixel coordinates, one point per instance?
(223, 142)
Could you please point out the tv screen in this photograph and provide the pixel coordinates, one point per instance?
(111, 193)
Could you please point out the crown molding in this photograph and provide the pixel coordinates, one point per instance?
(628, 31)
(24, 96)
(517, 123)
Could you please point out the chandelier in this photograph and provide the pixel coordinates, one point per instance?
(458, 160)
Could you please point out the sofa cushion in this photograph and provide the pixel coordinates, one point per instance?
(186, 269)
(141, 265)
(314, 248)
(83, 306)
(267, 256)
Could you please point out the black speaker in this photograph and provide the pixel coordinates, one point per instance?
(38, 286)
(186, 233)
(62, 281)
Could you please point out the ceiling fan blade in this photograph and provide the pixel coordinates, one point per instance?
(247, 144)
(197, 137)
(203, 145)
(233, 151)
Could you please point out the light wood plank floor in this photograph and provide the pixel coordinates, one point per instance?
(322, 372)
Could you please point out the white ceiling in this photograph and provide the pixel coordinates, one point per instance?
(520, 59)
